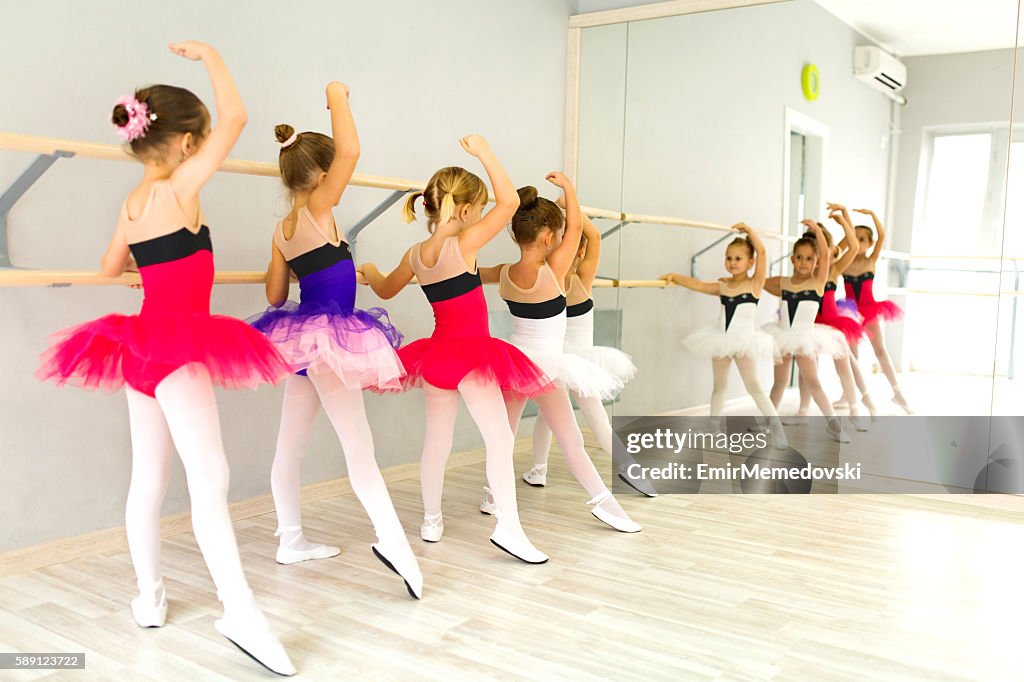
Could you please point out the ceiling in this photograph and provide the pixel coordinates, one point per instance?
(919, 27)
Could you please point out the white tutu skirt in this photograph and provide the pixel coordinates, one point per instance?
(575, 373)
(711, 342)
(808, 340)
(613, 360)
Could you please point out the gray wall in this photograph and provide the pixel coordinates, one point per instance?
(420, 78)
(705, 108)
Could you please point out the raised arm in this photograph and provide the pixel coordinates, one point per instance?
(760, 257)
(346, 153)
(876, 250)
(388, 286)
(824, 257)
(561, 258)
(506, 200)
(278, 278)
(192, 174)
(849, 239)
(832, 208)
(712, 288)
(587, 269)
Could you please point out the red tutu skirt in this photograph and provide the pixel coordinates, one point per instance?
(875, 310)
(141, 350)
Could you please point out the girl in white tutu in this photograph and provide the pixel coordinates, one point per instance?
(534, 291)
(736, 338)
(579, 340)
(796, 334)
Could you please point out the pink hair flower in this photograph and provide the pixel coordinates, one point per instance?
(139, 119)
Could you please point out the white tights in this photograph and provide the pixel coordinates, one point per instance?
(346, 410)
(487, 408)
(748, 373)
(596, 417)
(183, 416)
(808, 367)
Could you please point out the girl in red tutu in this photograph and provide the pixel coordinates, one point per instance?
(831, 315)
(338, 349)
(172, 352)
(859, 280)
(461, 357)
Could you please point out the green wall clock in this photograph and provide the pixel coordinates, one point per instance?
(810, 80)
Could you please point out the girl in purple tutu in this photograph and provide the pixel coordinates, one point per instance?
(336, 349)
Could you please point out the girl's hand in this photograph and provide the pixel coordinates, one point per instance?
(361, 278)
(811, 225)
(475, 145)
(836, 215)
(833, 207)
(190, 49)
(865, 211)
(669, 278)
(336, 89)
(742, 227)
(559, 180)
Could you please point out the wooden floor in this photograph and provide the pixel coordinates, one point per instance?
(728, 587)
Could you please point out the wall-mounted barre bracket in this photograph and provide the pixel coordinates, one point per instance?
(615, 229)
(352, 234)
(694, 257)
(16, 190)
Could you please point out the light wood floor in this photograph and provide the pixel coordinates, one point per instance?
(716, 587)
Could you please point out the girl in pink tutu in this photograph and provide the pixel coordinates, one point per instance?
(859, 280)
(172, 352)
(736, 338)
(461, 357)
(337, 349)
(830, 314)
(532, 288)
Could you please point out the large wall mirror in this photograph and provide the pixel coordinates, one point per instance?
(764, 112)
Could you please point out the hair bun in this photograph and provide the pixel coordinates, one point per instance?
(119, 116)
(283, 132)
(527, 197)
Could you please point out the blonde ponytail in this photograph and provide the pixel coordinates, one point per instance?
(447, 208)
(409, 210)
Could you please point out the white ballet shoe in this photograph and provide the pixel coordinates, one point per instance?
(397, 555)
(509, 537)
(247, 628)
(860, 422)
(841, 404)
(432, 528)
(536, 476)
(150, 608)
(794, 419)
(902, 402)
(287, 555)
(619, 523)
(779, 439)
(487, 505)
(835, 429)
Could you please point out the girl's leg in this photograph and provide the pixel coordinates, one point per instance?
(808, 367)
(748, 372)
(557, 411)
(845, 372)
(187, 400)
(298, 412)
(862, 386)
(442, 407)
(537, 475)
(720, 381)
(152, 450)
(885, 362)
(781, 379)
(488, 409)
(347, 411)
(805, 398)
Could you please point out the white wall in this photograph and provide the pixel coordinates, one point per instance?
(421, 76)
(705, 139)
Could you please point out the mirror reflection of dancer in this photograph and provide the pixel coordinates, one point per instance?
(533, 289)
(461, 358)
(579, 340)
(830, 314)
(736, 338)
(859, 280)
(338, 349)
(172, 352)
(797, 336)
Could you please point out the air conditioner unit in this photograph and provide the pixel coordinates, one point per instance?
(879, 69)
